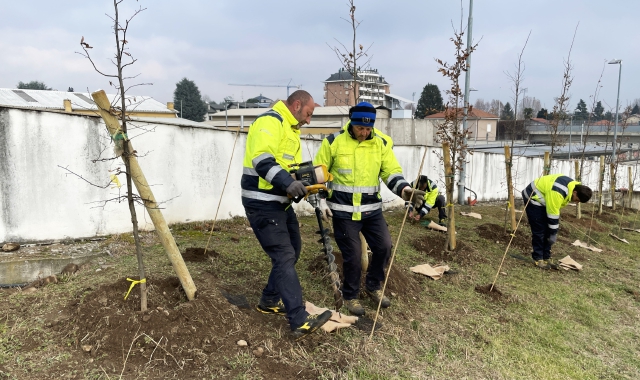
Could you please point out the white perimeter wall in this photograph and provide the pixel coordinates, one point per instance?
(186, 167)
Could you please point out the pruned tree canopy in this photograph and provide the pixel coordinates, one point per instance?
(507, 112)
(188, 101)
(33, 85)
(581, 112)
(543, 113)
(430, 102)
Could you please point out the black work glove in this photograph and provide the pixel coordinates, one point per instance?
(552, 239)
(296, 189)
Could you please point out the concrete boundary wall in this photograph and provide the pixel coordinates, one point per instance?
(186, 167)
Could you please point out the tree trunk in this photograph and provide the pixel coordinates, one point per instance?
(136, 236)
(601, 185)
(579, 179)
(448, 171)
(630, 187)
(547, 164)
(612, 185)
(169, 244)
(512, 207)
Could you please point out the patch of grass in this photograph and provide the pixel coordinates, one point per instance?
(546, 325)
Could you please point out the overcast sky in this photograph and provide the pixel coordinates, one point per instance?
(217, 42)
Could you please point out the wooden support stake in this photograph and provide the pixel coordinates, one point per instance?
(364, 260)
(547, 164)
(579, 179)
(601, 185)
(169, 244)
(630, 188)
(512, 207)
(612, 185)
(448, 177)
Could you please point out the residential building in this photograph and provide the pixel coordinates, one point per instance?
(370, 87)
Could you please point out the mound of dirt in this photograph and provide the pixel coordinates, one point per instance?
(196, 339)
(493, 294)
(496, 233)
(196, 255)
(433, 245)
(400, 280)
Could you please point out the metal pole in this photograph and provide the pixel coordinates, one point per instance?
(226, 119)
(181, 109)
(467, 80)
(615, 131)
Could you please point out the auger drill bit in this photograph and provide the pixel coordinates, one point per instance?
(327, 248)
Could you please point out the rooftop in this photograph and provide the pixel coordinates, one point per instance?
(43, 99)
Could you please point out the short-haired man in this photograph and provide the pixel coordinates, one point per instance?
(273, 143)
(544, 198)
(358, 158)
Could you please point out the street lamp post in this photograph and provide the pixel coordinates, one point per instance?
(467, 78)
(615, 130)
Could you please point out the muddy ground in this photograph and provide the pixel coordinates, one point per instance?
(102, 334)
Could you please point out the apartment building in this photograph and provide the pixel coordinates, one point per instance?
(370, 87)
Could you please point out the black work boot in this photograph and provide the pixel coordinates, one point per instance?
(376, 296)
(311, 324)
(271, 307)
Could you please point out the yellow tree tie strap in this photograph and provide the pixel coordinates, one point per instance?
(133, 283)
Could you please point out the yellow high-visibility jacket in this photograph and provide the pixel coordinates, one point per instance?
(273, 143)
(357, 168)
(553, 191)
(431, 193)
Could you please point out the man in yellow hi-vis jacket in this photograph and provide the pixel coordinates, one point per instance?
(358, 158)
(546, 196)
(273, 143)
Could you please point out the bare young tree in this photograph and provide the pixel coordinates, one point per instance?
(516, 79)
(450, 131)
(351, 57)
(121, 60)
(561, 103)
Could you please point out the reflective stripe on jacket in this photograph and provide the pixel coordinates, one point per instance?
(431, 193)
(554, 192)
(357, 168)
(273, 143)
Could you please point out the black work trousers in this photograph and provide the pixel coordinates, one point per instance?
(278, 232)
(440, 204)
(540, 230)
(376, 232)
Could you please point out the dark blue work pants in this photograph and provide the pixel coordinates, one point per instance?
(278, 232)
(540, 231)
(376, 233)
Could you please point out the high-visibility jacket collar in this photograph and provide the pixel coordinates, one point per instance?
(282, 109)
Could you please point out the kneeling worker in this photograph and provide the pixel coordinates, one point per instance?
(273, 143)
(358, 158)
(432, 199)
(546, 196)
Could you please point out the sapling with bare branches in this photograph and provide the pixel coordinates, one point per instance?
(561, 102)
(450, 131)
(516, 79)
(121, 60)
(351, 57)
